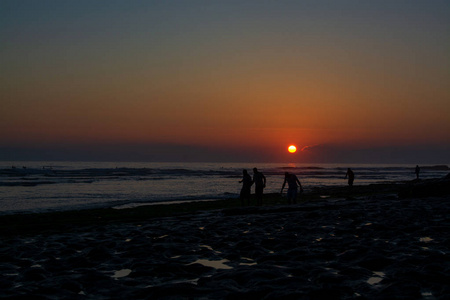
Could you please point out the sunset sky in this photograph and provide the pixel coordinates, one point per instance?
(345, 81)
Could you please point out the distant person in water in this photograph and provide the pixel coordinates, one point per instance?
(417, 170)
(351, 176)
(246, 185)
(293, 183)
(260, 183)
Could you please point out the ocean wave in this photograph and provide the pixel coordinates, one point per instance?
(86, 184)
(436, 168)
(26, 183)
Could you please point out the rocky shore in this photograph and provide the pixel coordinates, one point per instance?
(390, 244)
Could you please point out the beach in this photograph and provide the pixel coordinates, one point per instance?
(386, 241)
(225, 150)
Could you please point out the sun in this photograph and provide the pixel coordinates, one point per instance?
(292, 149)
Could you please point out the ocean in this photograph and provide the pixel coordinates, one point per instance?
(55, 186)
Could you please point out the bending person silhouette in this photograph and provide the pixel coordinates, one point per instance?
(351, 176)
(246, 185)
(260, 183)
(293, 183)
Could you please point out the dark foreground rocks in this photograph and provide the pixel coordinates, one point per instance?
(375, 248)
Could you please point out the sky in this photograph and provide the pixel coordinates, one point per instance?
(345, 81)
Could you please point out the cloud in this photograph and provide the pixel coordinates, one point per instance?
(309, 148)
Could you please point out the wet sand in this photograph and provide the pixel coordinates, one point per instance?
(377, 243)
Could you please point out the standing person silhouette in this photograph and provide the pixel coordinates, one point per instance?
(260, 183)
(246, 185)
(417, 171)
(292, 181)
(351, 177)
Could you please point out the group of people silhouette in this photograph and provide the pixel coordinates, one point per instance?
(247, 181)
(260, 183)
(291, 179)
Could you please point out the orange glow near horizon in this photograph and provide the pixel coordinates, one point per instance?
(250, 79)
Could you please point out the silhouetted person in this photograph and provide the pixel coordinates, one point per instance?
(417, 170)
(351, 176)
(246, 185)
(260, 183)
(293, 183)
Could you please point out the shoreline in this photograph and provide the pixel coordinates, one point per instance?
(377, 242)
(22, 223)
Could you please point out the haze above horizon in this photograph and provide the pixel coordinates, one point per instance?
(344, 81)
